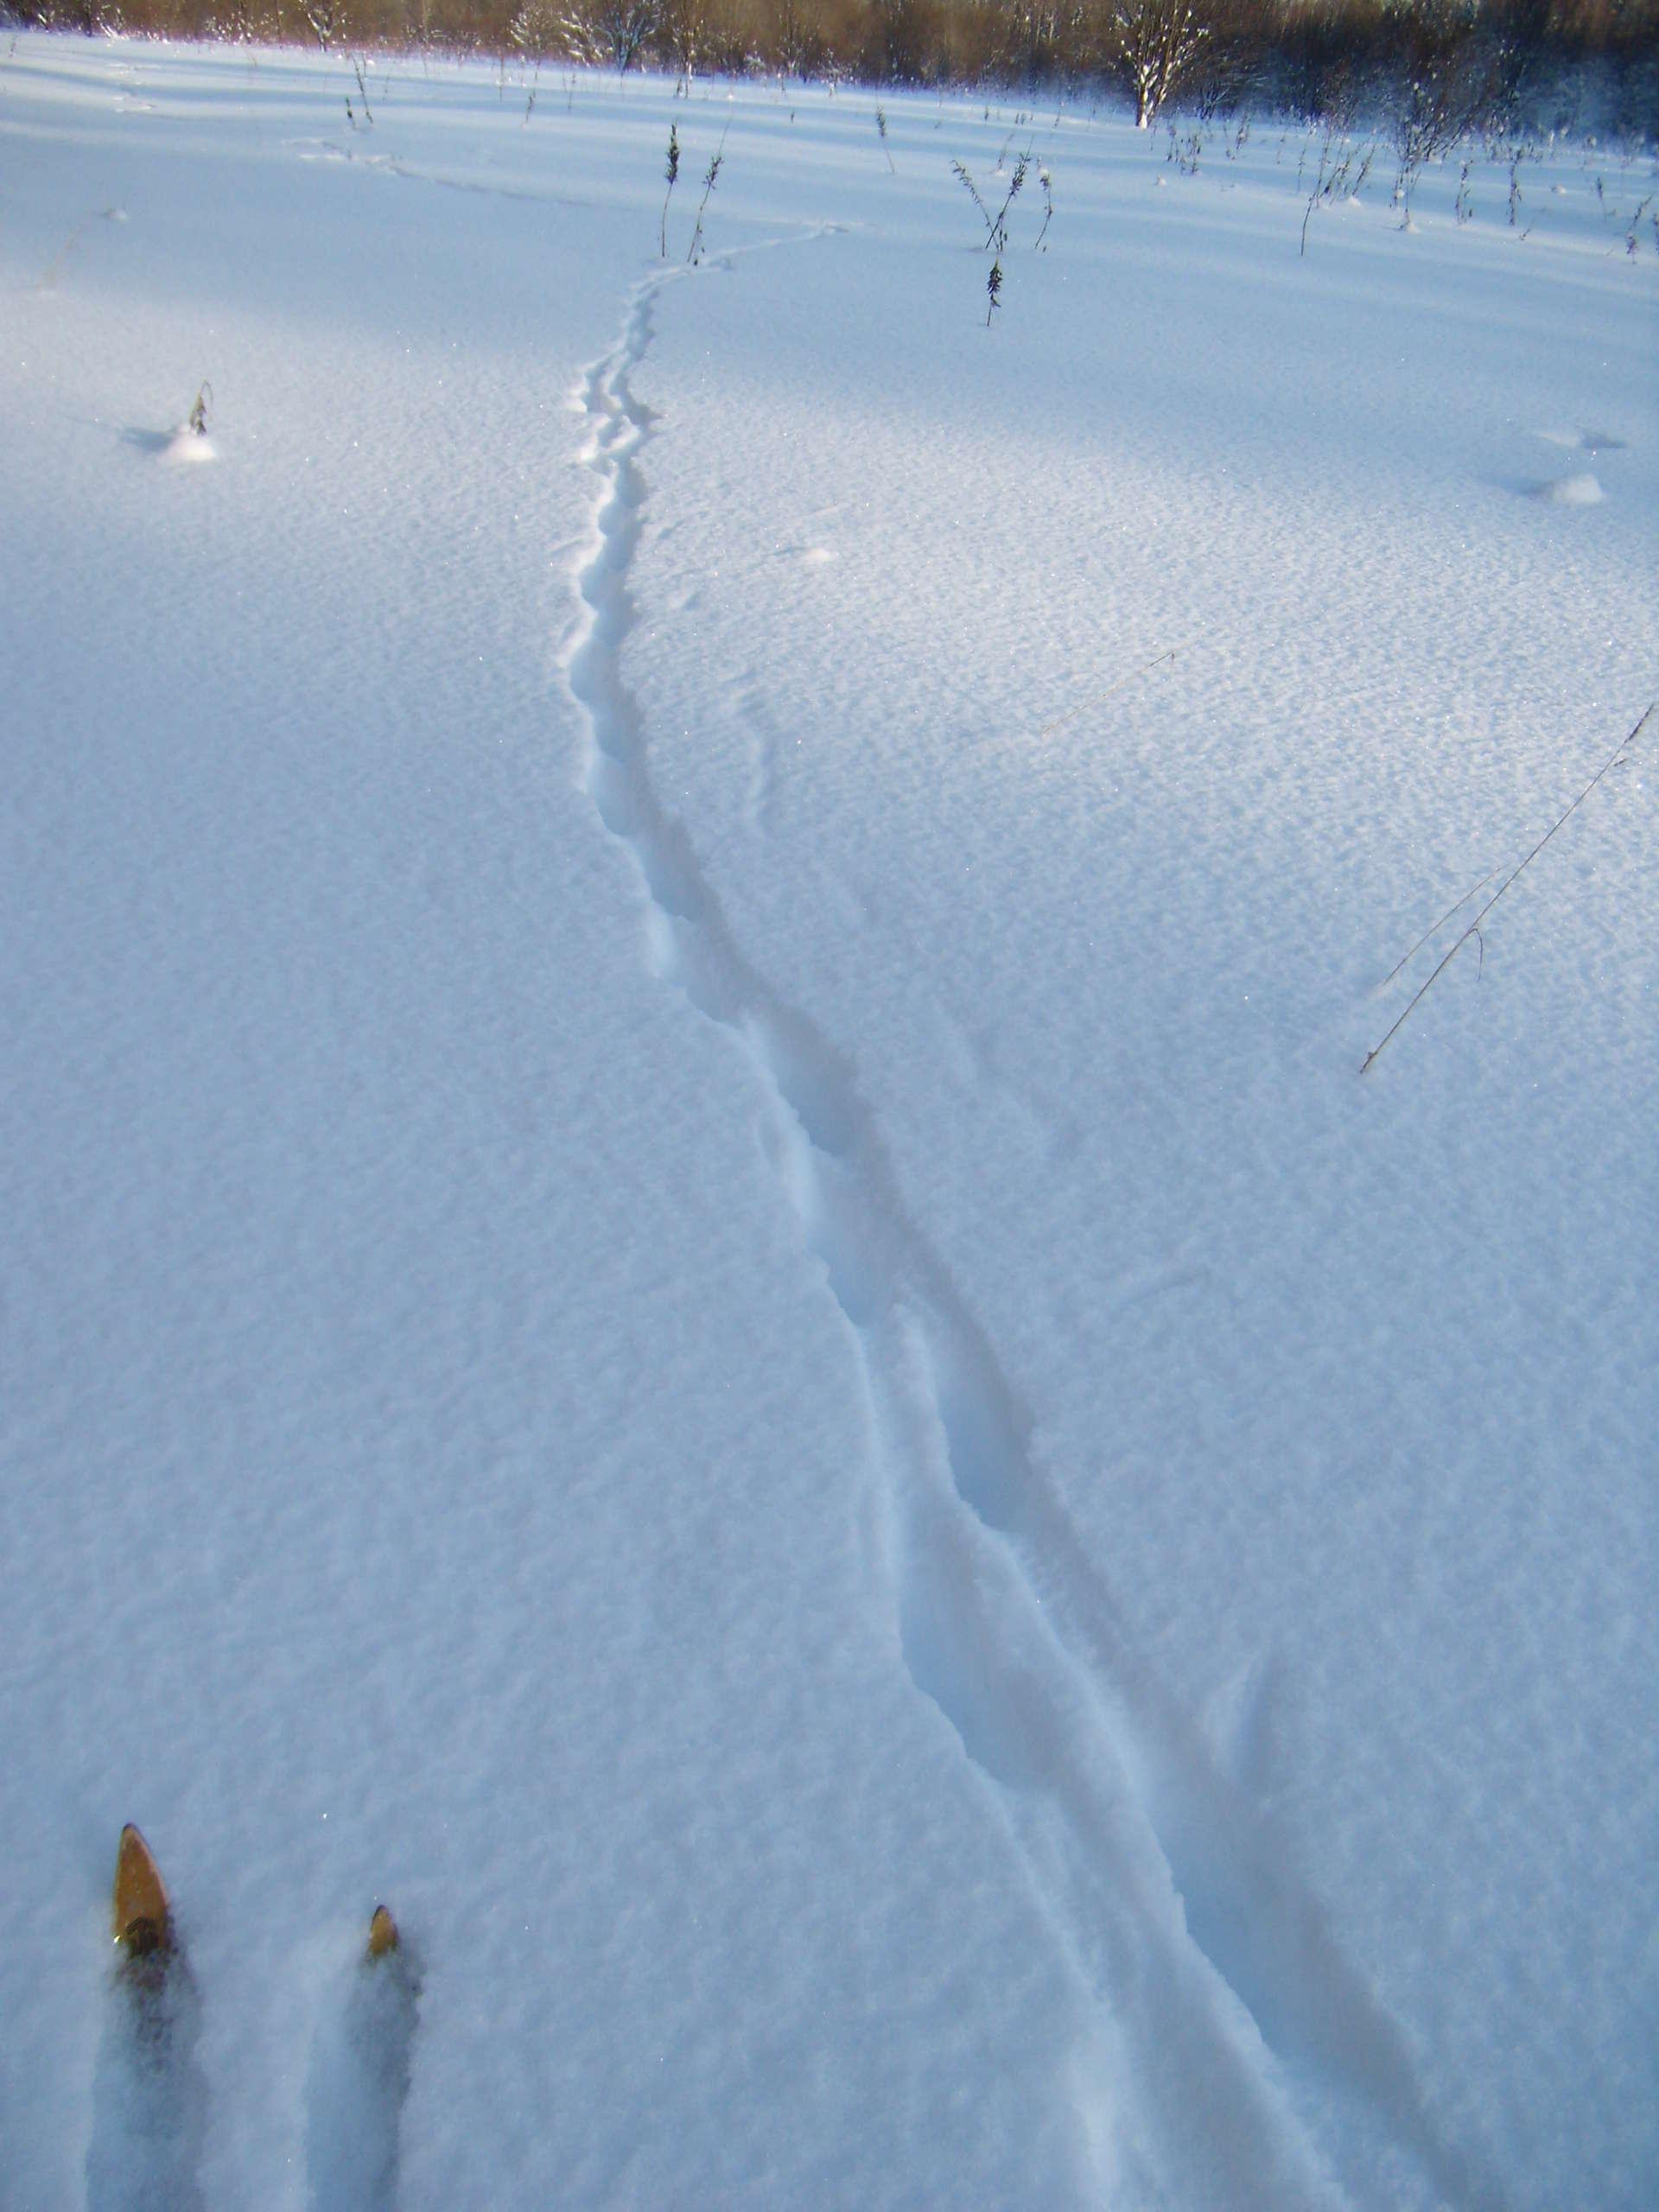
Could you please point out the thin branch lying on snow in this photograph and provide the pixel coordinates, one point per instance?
(1100, 698)
(1615, 758)
(1435, 929)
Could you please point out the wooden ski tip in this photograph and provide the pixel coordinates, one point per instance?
(141, 1918)
(383, 1933)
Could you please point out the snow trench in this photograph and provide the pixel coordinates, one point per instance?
(150, 2096)
(1237, 2057)
(358, 2082)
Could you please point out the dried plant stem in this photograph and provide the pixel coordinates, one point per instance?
(1434, 928)
(958, 171)
(50, 275)
(672, 171)
(999, 238)
(710, 174)
(1100, 698)
(1615, 758)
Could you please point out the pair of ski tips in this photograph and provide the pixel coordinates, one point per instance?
(143, 1919)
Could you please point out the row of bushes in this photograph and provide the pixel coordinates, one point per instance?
(1510, 62)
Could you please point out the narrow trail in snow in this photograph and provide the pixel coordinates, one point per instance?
(1230, 2030)
(358, 2083)
(150, 2100)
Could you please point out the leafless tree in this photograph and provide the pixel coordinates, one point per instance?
(681, 32)
(615, 31)
(1157, 43)
(323, 16)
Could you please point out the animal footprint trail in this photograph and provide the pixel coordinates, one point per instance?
(1215, 1983)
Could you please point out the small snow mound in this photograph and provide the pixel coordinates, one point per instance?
(1584, 441)
(188, 447)
(1581, 491)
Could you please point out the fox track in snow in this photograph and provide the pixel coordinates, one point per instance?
(1261, 2070)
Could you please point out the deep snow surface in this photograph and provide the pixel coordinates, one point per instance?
(697, 1277)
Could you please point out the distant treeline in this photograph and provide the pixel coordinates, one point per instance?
(1483, 64)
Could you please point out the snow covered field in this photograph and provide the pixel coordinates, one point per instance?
(697, 1276)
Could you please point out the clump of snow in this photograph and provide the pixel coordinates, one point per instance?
(1584, 441)
(187, 447)
(1582, 490)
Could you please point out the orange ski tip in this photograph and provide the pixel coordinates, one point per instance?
(383, 1933)
(139, 1908)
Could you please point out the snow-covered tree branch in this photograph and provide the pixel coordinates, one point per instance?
(1158, 43)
